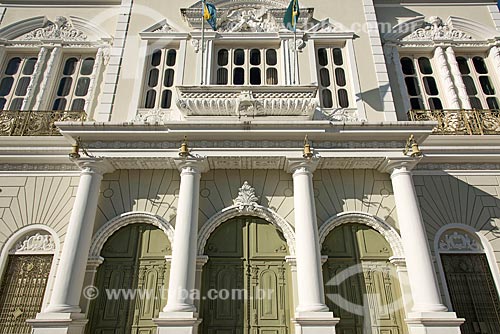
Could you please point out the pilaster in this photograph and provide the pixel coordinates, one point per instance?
(446, 78)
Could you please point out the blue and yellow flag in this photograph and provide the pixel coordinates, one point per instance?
(498, 4)
(210, 14)
(292, 15)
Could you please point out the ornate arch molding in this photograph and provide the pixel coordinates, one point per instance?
(123, 220)
(387, 231)
(70, 29)
(426, 30)
(237, 211)
(243, 3)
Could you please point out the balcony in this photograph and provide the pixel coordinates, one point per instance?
(248, 101)
(36, 123)
(460, 122)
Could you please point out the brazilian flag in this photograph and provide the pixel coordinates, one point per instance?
(292, 15)
(210, 14)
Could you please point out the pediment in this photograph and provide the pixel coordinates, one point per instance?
(161, 27)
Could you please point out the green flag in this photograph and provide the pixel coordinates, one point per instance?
(292, 15)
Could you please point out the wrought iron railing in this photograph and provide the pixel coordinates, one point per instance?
(460, 122)
(35, 123)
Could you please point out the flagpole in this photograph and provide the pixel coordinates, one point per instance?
(202, 40)
(295, 55)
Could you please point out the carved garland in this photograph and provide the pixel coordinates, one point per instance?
(35, 243)
(60, 29)
(459, 241)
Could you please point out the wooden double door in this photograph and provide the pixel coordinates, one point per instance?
(132, 282)
(245, 287)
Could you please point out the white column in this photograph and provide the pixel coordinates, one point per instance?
(42, 98)
(35, 79)
(428, 314)
(457, 78)
(94, 79)
(70, 273)
(495, 54)
(446, 79)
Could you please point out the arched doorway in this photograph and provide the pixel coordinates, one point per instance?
(361, 285)
(132, 281)
(469, 281)
(245, 285)
(24, 281)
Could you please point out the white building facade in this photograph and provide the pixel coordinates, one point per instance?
(157, 178)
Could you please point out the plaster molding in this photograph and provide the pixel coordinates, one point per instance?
(39, 167)
(390, 165)
(374, 222)
(35, 243)
(257, 211)
(459, 241)
(192, 165)
(125, 219)
(246, 199)
(301, 165)
(458, 167)
(436, 29)
(99, 166)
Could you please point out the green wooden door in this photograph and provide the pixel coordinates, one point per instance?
(368, 298)
(132, 282)
(246, 259)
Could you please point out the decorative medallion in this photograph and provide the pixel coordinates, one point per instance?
(34, 244)
(246, 200)
(459, 241)
(61, 29)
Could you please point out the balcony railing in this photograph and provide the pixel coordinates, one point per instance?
(35, 123)
(460, 122)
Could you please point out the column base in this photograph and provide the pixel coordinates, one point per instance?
(434, 323)
(177, 323)
(58, 323)
(315, 323)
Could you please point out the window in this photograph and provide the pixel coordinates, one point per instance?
(478, 83)
(160, 79)
(17, 75)
(422, 87)
(246, 67)
(332, 78)
(72, 89)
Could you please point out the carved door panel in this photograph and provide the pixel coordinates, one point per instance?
(132, 282)
(473, 293)
(22, 291)
(246, 259)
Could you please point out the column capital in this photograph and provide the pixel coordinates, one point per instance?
(391, 165)
(98, 166)
(301, 165)
(192, 165)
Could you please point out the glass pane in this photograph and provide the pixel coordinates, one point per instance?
(327, 98)
(64, 86)
(239, 57)
(16, 104)
(480, 65)
(462, 65)
(223, 57)
(153, 77)
(70, 66)
(2, 103)
(324, 75)
(417, 104)
(435, 103)
(6, 86)
(13, 66)
(22, 86)
(492, 103)
(322, 57)
(425, 65)
(166, 99)
(238, 76)
(255, 57)
(407, 66)
(272, 76)
(222, 76)
(156, 58)
(87, 66)
(486, 85)
(169, 78)
(59, 104)
(412, 86)
(475, 103)
(150, 99)
(271, 57)
(78, 105)
(337, 57)
(82, 87)
(255, 76)
(29, 66)
(343, 98)
(171, 56)
(469, 85)
(430, 86)
(340, 77)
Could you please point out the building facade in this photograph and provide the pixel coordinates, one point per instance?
(159, 176)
